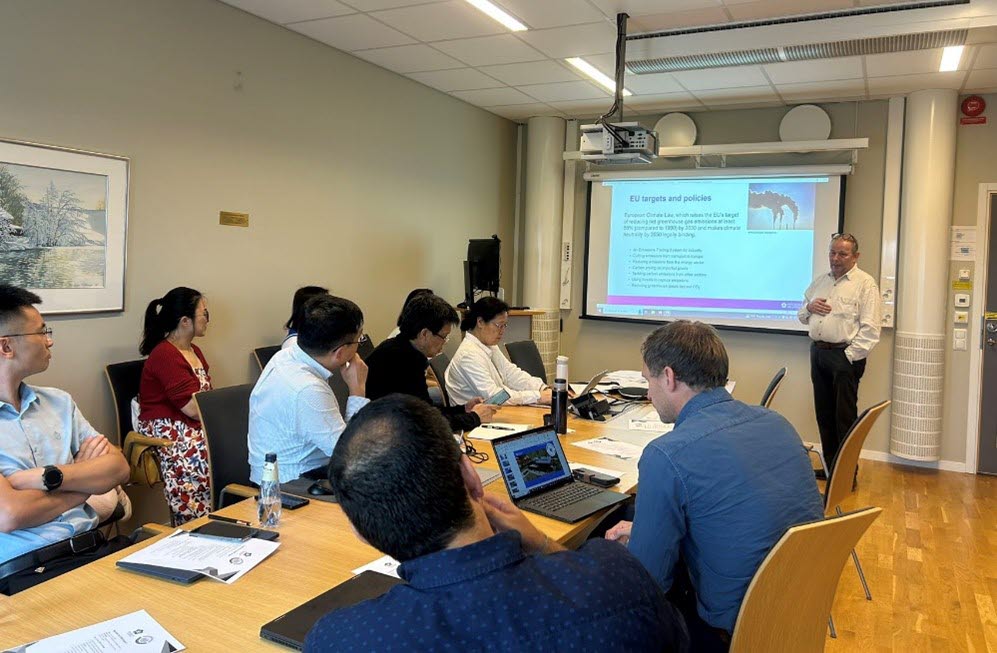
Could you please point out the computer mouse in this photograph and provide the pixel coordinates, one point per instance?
(320, 488)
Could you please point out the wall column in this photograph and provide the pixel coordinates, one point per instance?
(926, 213)
(542, 230)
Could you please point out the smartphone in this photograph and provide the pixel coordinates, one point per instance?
(498, 398)
(290, 501)
(594, 478)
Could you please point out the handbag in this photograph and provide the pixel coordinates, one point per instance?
(142, 453)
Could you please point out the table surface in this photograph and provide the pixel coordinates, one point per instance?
(318, 551)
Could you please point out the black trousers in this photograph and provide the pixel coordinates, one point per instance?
(30, 577)
(836, 394)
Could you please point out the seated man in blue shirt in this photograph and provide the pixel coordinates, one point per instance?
(51, 459)
(293, 411)
(408, 491)
(719, 490)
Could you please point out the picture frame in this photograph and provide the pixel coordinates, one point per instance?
(63, 225)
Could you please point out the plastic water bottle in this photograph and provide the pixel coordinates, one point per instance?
(268, 506)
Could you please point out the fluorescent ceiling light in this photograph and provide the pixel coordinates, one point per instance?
(950, 58)
(499, 15)
(600, 78)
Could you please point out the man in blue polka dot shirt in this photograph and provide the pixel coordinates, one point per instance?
(479, 575)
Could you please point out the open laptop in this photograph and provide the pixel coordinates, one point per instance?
(291, 627)
(590, 386)
(538, 478)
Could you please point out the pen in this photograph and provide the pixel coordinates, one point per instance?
(497, 428)
(229, 520)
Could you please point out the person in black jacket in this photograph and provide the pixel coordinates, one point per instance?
(399, 364)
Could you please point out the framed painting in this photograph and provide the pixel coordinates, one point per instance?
(63, 218)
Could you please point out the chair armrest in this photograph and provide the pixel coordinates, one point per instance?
(235, 489)
(155, 529)
(135, 438)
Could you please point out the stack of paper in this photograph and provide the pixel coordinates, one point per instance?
(611, 447)
(133, 632)
(223, 559)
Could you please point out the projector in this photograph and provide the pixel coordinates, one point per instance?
(632, 144)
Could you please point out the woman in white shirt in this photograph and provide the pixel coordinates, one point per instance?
(480, 369)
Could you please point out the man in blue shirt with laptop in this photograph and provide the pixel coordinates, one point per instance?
(719, 490)
(51, 459)
(479, 575)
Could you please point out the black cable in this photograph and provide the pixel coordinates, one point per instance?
(621, 45)
(473, 454)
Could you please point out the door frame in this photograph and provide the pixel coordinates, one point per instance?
(976, 311)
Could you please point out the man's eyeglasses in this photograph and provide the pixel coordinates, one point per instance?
(445, 338)
(363, 338)
(847, 237)
(47, 332)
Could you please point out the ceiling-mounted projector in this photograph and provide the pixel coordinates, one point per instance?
(618, 143)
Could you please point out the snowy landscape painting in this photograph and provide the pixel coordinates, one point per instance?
(62, 222)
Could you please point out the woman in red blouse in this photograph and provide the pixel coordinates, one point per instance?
(174, 371)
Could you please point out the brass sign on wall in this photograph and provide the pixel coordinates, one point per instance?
(231, 219)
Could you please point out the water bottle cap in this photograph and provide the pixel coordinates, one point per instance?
(270, 458)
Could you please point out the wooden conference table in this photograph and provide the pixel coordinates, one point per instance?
(318, 551)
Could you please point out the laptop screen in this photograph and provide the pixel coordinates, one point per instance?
(531, 461)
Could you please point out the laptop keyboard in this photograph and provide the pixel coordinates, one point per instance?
(564, 496)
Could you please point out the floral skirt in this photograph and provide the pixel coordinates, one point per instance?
(184, 468)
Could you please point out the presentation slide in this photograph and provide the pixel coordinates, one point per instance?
(735, 252)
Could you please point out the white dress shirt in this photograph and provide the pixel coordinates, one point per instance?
(294, 413)
(478, 370)
(855, 316)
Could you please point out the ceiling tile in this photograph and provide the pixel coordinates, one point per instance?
(582, 108)
(678, 19)
(374, 5)
(409, 58)
(761, 9)
(903, 84)
(488, 50)
(986, 57)
(721, 78)
(982, 80)
(351, 32)
(435, 22)
(538, 14)
(645, 103)
(903, 63)
(289, 11)
(735, 95)
(493, 97)
(520, 112)
(461, 79)
(562, 42)
(644, 7)
(813, 71)
(849, 89)
(534, 72)
(651, 84)
(564, 91)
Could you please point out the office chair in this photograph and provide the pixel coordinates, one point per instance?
(224, 415)
(124, 380)
(788, 604)
(264, 354)
(366, 347)
(773, 388)
(440, 363)
(525, 355)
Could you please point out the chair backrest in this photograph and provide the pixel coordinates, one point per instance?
(366, 347)
(839, 481)
(773, 388)
(525, 355)
(340, 389)
(264, 354)
(124, 380)
(225, 419)
(789, 600)
(440, 363)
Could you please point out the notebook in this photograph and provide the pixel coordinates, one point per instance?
(538, 477)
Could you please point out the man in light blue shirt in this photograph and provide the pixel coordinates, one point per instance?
(719, 490)
(51, 459)
(293, 411)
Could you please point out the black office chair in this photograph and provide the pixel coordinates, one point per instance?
(525, 355)
(225, 419)
(124, 381)
(440, 363)
(773, 388)
(340, 389)
(264, 354)
(366, 347)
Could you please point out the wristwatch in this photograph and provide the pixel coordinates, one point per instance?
(52, 477)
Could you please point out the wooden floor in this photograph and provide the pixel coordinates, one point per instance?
(931, 563)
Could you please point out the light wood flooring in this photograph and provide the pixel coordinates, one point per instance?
(930, 560)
